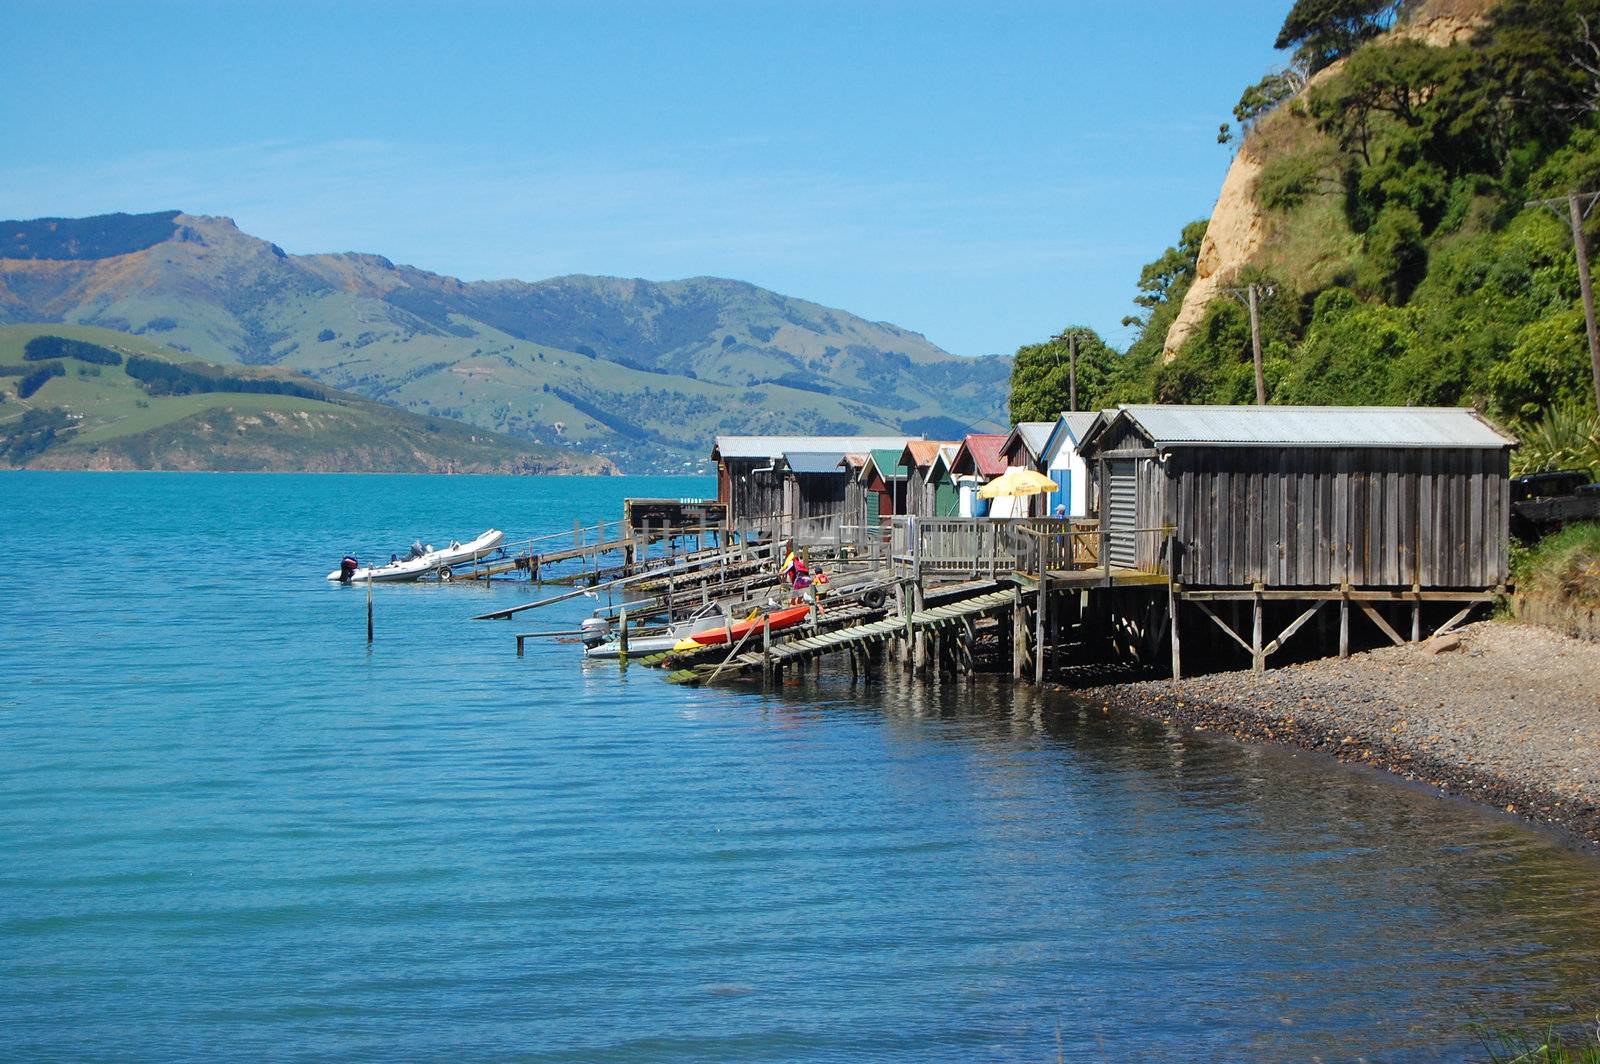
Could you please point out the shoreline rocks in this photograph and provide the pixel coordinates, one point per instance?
(1509, 718)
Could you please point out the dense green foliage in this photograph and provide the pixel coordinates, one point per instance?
(1408, 266)
(1566, 438)
(168, 378)
(35, 378)
(99, 237)
(1041, 376)
(31, 434)
(41, 348)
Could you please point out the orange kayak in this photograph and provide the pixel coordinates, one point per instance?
(779, 619)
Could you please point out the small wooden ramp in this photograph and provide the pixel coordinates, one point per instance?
(860, 635)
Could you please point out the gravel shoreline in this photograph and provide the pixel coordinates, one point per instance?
(1510, 718)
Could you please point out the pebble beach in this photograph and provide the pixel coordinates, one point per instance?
(1509, 716)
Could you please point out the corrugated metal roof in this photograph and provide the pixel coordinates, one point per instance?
(1078, 421)
(814, 461)
(982, 452)
(1071, 427)
(1316, 426)
(777, 446)
(922, 452)
(887, 461)
(1035, 433)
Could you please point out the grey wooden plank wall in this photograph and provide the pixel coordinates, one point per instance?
(1319, 517)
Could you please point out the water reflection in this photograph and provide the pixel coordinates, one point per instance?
(1224, 891)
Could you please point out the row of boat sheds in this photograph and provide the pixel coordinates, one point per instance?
(1230, 535)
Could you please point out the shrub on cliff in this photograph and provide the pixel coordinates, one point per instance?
(1564, 566)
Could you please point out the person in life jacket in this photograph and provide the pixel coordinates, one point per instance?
(798, 576)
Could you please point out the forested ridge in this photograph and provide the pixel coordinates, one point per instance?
(1408, 262)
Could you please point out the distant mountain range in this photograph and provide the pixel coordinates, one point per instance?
(642, 372)
(78, 397)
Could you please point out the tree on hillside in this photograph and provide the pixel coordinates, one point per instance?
(1168, 277)
(1040, 376)
(1262, 98)
(1162, 286)
(1322, 31)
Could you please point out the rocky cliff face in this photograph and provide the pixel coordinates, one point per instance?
(1239, 229)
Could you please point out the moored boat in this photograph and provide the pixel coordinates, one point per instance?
(708, 618)
(776, 620)
(420, 564)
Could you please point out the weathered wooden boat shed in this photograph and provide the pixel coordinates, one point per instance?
(766, 495)
(1370, 505)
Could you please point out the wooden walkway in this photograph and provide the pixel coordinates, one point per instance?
(855, 636)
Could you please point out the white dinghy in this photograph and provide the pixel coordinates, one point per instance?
(420, 563)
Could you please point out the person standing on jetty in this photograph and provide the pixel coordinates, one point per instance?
(798, 576)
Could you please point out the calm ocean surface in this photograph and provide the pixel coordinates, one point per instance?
(229, 829)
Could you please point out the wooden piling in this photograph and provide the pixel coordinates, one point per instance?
(1172, 617)
(1041, 611)
(1344, 621)
(1019, 634)
(369, 606)
(1258, 660)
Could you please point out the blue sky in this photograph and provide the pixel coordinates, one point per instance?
(982, 172)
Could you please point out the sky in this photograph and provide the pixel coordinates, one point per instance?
(984, 173)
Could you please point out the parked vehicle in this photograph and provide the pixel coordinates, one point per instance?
(1542, 503)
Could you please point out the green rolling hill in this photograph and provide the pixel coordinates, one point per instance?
(114, 401)
(642, 372)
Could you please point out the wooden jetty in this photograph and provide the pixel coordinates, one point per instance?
(1225, 532)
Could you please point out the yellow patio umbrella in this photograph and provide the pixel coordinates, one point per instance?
(1018, 480)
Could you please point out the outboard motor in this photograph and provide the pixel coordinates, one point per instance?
(347, 568)
(595, 630)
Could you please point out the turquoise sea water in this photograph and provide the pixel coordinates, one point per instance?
(229, 829)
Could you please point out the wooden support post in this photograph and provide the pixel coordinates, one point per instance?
(919, 640)
(369, 606)
(1040, 619)
(1283, 637)
(1220, 623)
(622, 637)
(902, 594)
(1383, 625)
(1457, 619)
(1416, 615)
(1344, 621)
(766, 646)
(1258, 660)
(969, 646)
(1019, 634)
(1172, 616)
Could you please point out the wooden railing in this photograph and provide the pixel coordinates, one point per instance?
(980, 546)
(991, 545)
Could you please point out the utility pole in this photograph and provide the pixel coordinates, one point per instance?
(1578, 205)
(1072, 366)
(1250, 295)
